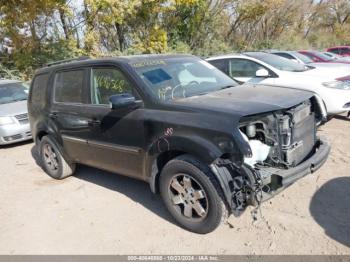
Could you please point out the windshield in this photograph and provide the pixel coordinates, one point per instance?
(174, 78)
(304, 58)
(13, 92)
(278, 62)
(322, 56)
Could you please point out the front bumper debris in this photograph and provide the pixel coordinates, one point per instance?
(244, 186)
(282, 178)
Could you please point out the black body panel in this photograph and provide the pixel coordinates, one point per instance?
(131, 140)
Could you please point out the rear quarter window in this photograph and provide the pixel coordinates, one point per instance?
(38, 90)
(68, 86)
(221, 64)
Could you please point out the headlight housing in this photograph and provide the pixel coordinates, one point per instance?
(337, 85)
(6, 120)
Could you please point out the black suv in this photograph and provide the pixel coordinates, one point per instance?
(211, 147)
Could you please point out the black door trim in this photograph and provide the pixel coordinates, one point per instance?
(115, 147)
(74, 139)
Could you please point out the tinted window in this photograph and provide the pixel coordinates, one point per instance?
(279, 62)
(13, 92)
(335, 50)
(107, 82)
(288, 56)
(345, 50)
(243, 68)
(69, 86)
(39, 89)
(220, 64)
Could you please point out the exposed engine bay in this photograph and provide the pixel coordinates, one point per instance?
(280, 142)
(281, 139)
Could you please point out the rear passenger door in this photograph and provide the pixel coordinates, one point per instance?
(116, 136)
(67, 113)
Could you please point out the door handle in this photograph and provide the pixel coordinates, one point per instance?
(53, 115)
(94, 122)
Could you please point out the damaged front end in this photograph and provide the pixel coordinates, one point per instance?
(281, 147)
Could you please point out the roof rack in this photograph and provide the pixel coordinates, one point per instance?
(68, 60)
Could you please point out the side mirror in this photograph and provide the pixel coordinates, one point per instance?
(262, 73)
(121, 101)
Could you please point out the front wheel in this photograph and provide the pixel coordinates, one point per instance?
(192, 195)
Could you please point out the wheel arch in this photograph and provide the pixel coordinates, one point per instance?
(39, 135)
(205, 151)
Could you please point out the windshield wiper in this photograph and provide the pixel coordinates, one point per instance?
(225, 87)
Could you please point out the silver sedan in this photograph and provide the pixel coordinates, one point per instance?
(14, 123)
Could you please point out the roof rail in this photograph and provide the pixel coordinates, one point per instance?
(68, 60)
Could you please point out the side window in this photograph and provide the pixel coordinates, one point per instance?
(243, 68)
(288, 56)
(335, 51)
(344, 51)
(38, 91)
(68, 86)
(106, 82)
(220, 64)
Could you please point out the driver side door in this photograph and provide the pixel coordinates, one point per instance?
(117, 136)
(244, 70)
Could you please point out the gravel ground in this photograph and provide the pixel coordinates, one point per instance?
(96, 212)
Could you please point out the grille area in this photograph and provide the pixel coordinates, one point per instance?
(12, 138)
(301, 135)
(22, 119)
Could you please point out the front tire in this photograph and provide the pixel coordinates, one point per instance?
(52, 160)
(192, 194)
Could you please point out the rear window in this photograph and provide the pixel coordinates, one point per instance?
(39, 89)
(69, 86)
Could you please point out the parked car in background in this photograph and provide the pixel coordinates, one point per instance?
(207, 144)
(337, 69)
(319, 57)
(269, 69)
(293, 55)
(14, 123)
(335, 56)
(340, 50)
(332, 55)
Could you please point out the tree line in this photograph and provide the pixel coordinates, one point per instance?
(35, 32)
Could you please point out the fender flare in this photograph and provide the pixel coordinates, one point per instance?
(201, 148)
(204, 150)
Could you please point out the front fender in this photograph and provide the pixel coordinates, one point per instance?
(201, 148)
(205, 150)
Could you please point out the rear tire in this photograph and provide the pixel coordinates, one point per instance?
(52, 160)
(192, 194)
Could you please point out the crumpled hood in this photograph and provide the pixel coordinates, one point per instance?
(247, 99)
(12, 109)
